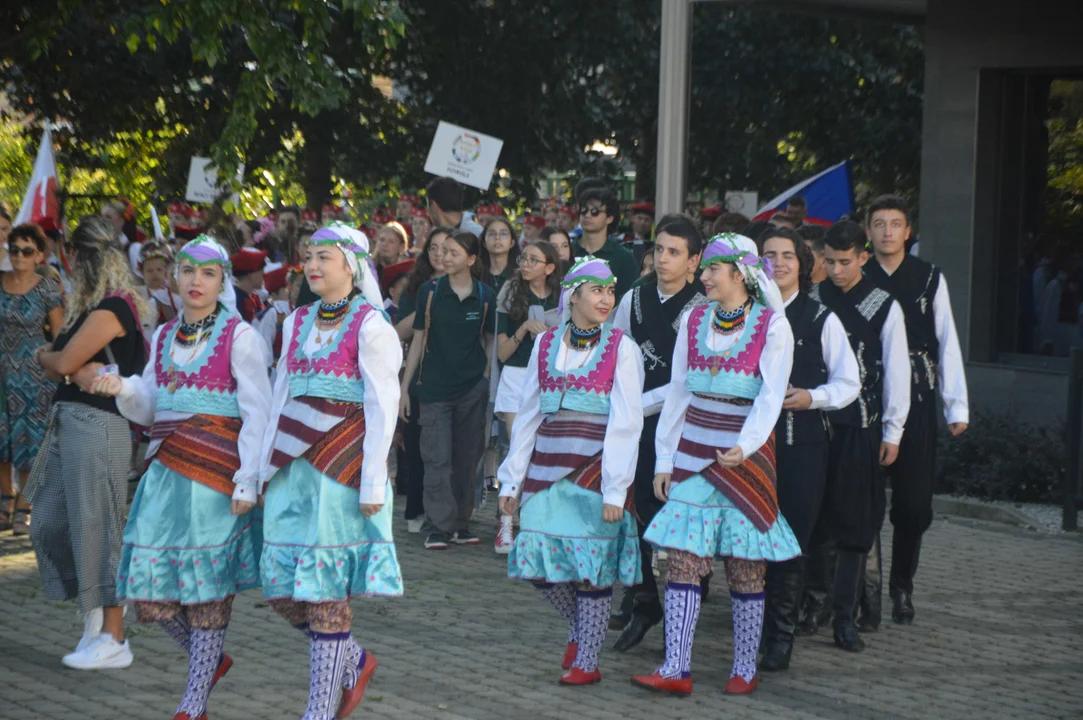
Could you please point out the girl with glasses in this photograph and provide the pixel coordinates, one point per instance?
(429, 265)
(526, 310)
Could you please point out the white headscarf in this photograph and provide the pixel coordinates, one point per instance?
(354, 244)
(205, 250)
(586, 269)
(741, 251)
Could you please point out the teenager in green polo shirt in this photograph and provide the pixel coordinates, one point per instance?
(599, 214)
(429, 265)
(450, 356)
(520, 317)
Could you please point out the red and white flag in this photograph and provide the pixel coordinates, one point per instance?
(39, 202)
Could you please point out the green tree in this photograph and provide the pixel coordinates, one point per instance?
(777, 96)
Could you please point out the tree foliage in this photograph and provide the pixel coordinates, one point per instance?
(294, 89)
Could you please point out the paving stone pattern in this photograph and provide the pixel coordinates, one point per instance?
(998, 635)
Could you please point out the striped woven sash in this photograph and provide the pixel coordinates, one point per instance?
(328, 434)
(568, 446)
(202, 448)
(711, 424)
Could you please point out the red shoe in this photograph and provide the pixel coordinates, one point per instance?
(674, 686)
(352, 698)
(570, 653)
(738, 686)
(186, 716)
(223, 667)
(575, 676)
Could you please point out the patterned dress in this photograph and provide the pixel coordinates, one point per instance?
(25, 391)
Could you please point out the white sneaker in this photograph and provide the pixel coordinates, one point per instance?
(414, 525)
(92, 628)
(505, 536)
(105, 653)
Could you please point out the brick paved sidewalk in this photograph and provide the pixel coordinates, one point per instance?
(997, 635)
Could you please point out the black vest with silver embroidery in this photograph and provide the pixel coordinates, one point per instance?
(863, 312)
(654, 325)
(807, 318)
(914, 284)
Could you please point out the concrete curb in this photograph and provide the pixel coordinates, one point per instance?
(966, 507)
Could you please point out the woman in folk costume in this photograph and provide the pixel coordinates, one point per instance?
(190, 544)
(573, 456)
(716, 458)
(327, 516)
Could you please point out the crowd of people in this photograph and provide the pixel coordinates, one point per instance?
(644, 400)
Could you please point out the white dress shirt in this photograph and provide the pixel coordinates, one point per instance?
(620, 449)
(775, 364)
(379, 354)
(896, 358)
(138, 397)
(950, 373)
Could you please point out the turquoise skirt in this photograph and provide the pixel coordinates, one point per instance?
(701, 520)
(317, 546)
(562, 538)
(182, 544)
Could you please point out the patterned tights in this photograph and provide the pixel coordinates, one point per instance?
(323, 617)
(744, 576)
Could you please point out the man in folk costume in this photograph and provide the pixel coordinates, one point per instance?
(327, 518)
(716, 458)
(248, 273)
(824, 377)
(270, 319)
(866, 434)
(190, 543)
(935, 361)
(639, 241)
(651, 314)
(572, 458)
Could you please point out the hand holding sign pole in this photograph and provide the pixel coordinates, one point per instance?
(465, 155)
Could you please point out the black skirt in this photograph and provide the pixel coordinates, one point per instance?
(855, 497)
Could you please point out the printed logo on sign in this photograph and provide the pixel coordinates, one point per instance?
(466, 148)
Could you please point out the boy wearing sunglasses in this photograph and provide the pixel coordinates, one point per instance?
(599, 213)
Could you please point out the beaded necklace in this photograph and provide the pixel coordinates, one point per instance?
(728, 322)
(189, 335)
(583, 339)
(333, 314)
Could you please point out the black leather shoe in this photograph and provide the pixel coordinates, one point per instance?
(848, 638)
(902, 608)
(812, 623)
(633, 633)
(776, 656)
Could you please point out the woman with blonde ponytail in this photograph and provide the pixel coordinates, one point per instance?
(79, 480)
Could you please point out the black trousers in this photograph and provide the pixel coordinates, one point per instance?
(647, 602)
(912, 477)
(855, 497)
(852, 513)
(802, 478)
(411, 463)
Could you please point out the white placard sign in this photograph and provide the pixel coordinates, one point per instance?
(742, 201)
(203, 182)
(467, 156)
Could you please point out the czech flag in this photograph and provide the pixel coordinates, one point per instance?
(829, 195)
